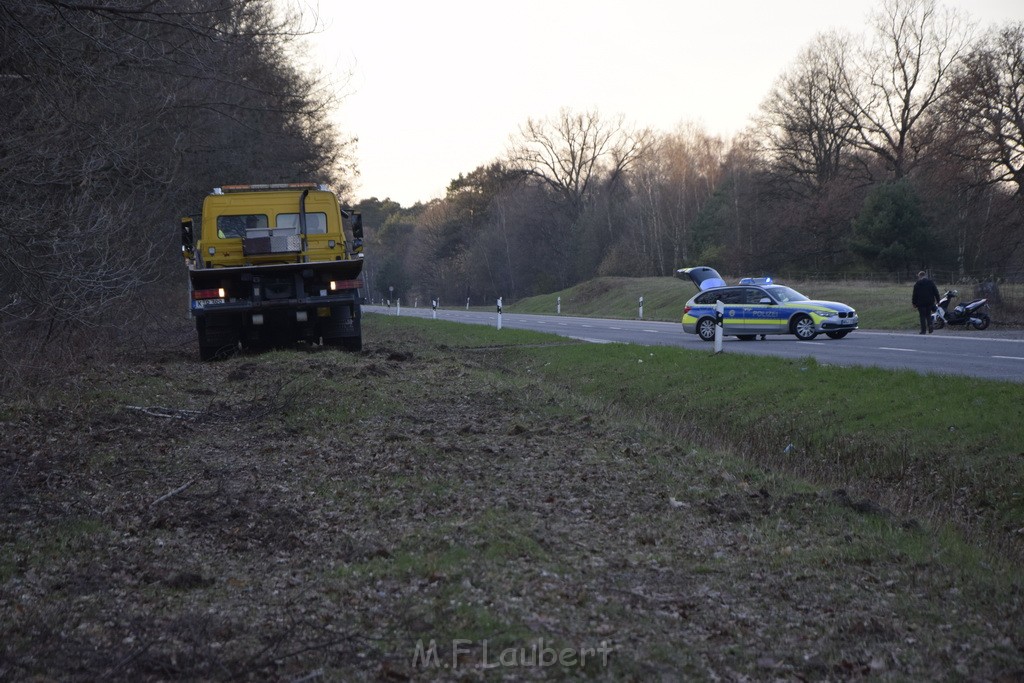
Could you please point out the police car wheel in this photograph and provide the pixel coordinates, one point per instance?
(706, 329)
(837, 335)
(803, 328)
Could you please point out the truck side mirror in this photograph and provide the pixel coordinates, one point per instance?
(357, 233)
(187, 238)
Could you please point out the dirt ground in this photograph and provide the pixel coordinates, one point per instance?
(409, 513)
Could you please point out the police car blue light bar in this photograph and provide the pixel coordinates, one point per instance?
(756, 281)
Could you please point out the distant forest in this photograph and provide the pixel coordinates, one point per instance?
(873, 155)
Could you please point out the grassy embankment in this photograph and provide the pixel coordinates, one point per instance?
(944, 449)
(880, 306)
(312, 514)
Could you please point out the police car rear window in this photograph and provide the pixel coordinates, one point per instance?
(726, 296)
(706, 299)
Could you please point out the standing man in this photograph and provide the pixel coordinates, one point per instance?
(926, 296)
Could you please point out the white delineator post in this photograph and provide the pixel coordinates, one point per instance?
(398, 308)
(499, 312)
(641, 308)
(719, 317)
(558, 306)
(433, 306)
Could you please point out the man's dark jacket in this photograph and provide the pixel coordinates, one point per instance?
(926, 294)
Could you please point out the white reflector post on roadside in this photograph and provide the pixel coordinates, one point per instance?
(499, 312)
(719, 316)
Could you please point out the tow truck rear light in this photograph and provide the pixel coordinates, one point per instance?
(345, 284)
(199, 294)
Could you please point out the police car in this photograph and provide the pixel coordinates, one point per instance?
(758, 307)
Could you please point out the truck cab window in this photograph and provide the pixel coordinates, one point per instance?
(235, 226)
(316, 222)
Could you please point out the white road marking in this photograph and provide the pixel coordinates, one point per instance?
(893, 348)
(1009, 357)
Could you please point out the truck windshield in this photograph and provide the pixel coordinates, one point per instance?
(316, 223)
(235, 226)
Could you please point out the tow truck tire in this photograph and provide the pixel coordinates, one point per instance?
(706, 329)
(354, 344)
(208, 351)
(803, 328)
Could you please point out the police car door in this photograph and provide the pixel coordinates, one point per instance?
(734, 317)
(761, 317)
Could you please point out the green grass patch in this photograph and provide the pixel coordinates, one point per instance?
(945, 448)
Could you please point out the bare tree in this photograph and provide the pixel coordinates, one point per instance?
(900, 77)
(572, 153)
(986, 110)
(671, 184)
(575, 156)
(806, 120)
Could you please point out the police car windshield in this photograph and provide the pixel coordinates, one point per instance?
(785, 294)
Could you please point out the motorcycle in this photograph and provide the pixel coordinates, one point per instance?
(974, 314)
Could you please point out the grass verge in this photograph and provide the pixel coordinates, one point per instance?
(450, 506)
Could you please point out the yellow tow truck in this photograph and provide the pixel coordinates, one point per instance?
(270, 266)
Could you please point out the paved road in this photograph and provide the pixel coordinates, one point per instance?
(989, 355)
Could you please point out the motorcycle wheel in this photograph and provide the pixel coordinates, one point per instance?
(983, 323)
(938, 323)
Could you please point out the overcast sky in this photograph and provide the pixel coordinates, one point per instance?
(437, 87)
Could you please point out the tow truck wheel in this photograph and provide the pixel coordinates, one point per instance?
(347, 343)
(208, 351)
(706, 329)
(803, 328)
